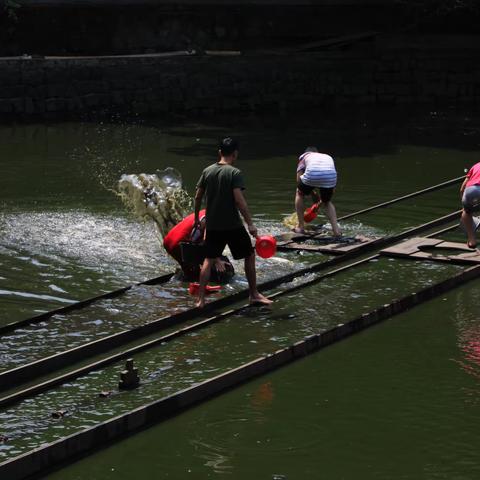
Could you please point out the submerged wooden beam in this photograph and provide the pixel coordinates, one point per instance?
(327, 244)
(81, 304)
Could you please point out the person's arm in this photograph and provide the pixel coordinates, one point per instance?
(242, 206)
(219, 265)
(464, 184)
(301, 167)
(198, 204)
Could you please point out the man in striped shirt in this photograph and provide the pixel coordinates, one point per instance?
(316, 170)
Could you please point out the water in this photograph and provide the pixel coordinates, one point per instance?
(382, 404)
(64, 236)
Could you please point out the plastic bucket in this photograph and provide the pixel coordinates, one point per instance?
(194, 287)
(266, 246)
(311, 213)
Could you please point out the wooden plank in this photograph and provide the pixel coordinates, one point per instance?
(411, 246)
(420, 248)
(455, 245)
(329, 244)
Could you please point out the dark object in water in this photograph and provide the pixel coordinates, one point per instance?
(192, 253)
(129, 378)
(59, 413)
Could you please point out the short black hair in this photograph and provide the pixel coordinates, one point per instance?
(311, 149)
(227, 146)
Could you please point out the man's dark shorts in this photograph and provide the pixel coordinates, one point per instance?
(325, 193)
(238, 241)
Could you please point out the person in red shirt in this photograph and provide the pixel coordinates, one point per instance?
(470, 191)
(184, 232)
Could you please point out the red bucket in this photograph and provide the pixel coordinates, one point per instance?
(266, 246)
(311, 213)
(194, 287)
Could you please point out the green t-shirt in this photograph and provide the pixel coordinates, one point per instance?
(218, 181)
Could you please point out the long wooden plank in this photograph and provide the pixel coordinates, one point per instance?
(9, 327)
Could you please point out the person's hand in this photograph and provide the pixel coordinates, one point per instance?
(252, 229)
(219, 265)
(196, 234)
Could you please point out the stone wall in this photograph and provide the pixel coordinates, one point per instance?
(205, 84)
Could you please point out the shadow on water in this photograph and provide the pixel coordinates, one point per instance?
(346, 132)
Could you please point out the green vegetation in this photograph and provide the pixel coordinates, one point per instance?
(11, 7)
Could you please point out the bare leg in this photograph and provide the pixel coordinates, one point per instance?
(467, 221)
(332, 216)
(250, 272)
(204, 278)
(300, 207)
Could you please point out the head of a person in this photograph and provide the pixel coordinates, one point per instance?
(311, 149)
(228, 148)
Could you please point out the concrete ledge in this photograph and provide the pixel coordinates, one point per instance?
(182, 83)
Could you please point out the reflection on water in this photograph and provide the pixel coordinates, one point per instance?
(468, 326)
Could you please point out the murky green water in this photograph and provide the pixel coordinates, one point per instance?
(399, 401)
(65, 236)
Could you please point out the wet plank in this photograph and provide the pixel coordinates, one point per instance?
(327, 244)
(420, 248)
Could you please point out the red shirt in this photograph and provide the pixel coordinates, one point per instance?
(180, 232)
(473, 176)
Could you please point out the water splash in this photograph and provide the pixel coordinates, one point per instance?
(159, 197)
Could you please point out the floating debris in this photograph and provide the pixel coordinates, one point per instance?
(129, 378)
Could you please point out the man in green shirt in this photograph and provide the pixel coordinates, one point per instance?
(222, 184)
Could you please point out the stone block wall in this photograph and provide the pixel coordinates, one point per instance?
(204, 84)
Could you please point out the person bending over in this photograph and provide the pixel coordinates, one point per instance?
(470, 191)
(316, 170)
(222, 270)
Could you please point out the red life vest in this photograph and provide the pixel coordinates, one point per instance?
(180, 232)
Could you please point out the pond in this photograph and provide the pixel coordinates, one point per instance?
(65, 235)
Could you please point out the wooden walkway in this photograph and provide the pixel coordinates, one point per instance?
(434, 249)
(322, 243)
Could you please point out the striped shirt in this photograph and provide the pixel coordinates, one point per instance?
(319, 170)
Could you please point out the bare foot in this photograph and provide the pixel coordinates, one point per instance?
(259, 299)
(298, 230)
(200, 303)
(471, 245)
